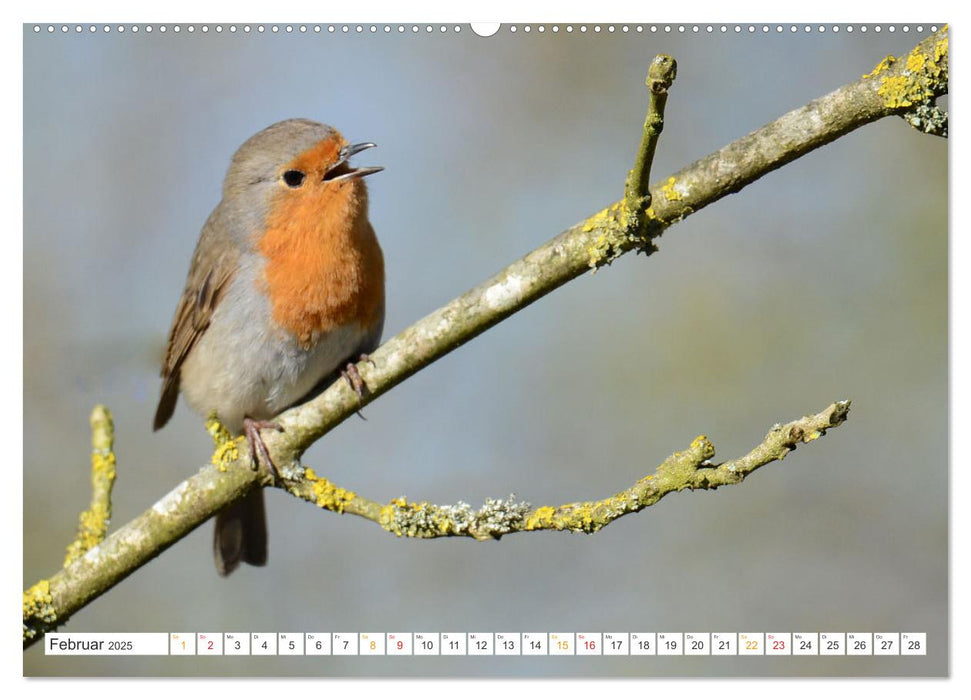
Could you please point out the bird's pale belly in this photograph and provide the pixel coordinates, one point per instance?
(241, 368)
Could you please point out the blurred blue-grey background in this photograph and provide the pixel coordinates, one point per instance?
(822, 281)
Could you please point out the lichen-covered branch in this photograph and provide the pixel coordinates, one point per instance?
(893, 88)
(93, 523)
(689, 469)
(915, 86)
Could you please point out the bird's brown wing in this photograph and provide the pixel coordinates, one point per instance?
(213, 265)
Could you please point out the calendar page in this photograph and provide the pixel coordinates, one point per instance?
(437, 349)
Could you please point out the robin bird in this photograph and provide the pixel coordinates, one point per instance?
(285, 288)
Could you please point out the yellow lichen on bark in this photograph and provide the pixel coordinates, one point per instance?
(540, 518)
(670, 191)
(884, 65)
(38, 605)
(226, 446)
(922, 72)
(327, 494)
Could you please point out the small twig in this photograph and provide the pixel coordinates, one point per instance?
(93, 523)
(683, 470)
(637, 195)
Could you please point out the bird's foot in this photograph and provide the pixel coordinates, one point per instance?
(258, 452)
(353, 377)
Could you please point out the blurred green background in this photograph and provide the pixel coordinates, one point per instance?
(822, 281)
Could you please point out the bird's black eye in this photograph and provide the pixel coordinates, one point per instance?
(293, 178)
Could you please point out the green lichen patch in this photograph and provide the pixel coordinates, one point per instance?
(494, 519)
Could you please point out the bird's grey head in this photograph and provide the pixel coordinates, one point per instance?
(259, 163)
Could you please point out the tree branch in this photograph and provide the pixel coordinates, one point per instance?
(895, 87)
(682, 470)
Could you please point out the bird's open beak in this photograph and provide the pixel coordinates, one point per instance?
(341, 170)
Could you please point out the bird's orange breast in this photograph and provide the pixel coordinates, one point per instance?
(324, 267)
